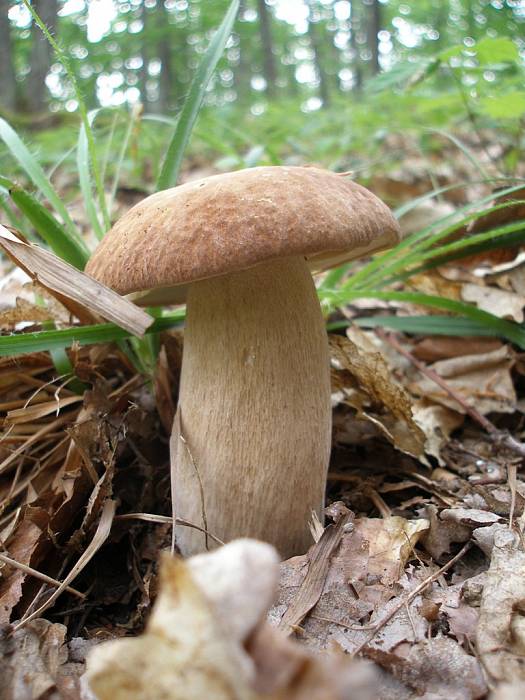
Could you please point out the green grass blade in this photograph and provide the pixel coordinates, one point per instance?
(503, 237)
(428, 325)
(34, 171)
(41, 341)
(463, 148)
(64, 61)
(407, 250)
(47, 227)
(84, 176)
(171, 167)
(133, 119)
(506, 329)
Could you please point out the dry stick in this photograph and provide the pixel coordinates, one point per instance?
(312, 586)
(413, 594)
(499, 435)
(38, 574)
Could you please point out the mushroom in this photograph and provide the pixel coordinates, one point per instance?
(251, 439)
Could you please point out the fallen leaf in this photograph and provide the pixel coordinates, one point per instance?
(495, 301)
(437, 423)
(436, 668)
(32, 660)
(501, 632)
(483, 380)
(365, 382)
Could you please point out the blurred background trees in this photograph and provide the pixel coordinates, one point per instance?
(130, 51)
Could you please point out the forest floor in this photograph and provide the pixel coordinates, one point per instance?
(421, 568)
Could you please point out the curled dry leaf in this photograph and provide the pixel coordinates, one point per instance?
(437, 423)
(364, 381)
(435, 668)
(483, 380)
(23, 311)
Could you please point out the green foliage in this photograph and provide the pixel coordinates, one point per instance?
(170, 168)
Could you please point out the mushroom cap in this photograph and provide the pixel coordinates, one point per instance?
(233, 221)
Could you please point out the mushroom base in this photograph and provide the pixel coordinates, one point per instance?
(251, 440)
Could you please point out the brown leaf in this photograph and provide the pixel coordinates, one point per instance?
(32, 661)
(495, 301)
(501, 633)
(364, 381)
(21, 547)
(444, 347)
(483, 380)
(76, 290)
(436, 668)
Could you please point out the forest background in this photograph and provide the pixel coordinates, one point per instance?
(366, 68)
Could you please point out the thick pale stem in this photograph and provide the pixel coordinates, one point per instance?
(251, 440)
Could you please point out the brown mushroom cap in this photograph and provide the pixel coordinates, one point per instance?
(233, 221)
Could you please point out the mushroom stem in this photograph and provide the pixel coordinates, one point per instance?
(251, 440)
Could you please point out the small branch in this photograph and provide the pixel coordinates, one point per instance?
(499, 436)
(413, 594)
(39, 575)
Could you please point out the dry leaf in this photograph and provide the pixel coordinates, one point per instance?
(358, 587)
(71, 285)
(501, 632)
(435, 669)
(483, 380)
(365, 382)
(31, 661)
(23, 311)
(438, 347)
(495, 301)
(437, 423)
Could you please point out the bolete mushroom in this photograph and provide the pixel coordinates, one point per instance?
(251, 440)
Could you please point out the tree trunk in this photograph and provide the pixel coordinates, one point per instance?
(374, 27)
(41, 54)
(269, 66)
(167, 73)
(242, 71)
(315, 41)
(355, 27)
(7, 73)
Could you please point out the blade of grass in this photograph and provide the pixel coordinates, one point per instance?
(42, 341)
(504, 237)
(34, 171)
(47, 227)
(506, 329)
(428, 325)
(391, 260)
(134, 117)
(170, 168)
(64, 61)
(84, 175)
(463, 148)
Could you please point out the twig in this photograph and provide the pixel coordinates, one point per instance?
(499, 436)
(152, 518)
(413, 594)
(312, 586)
(38, 574)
